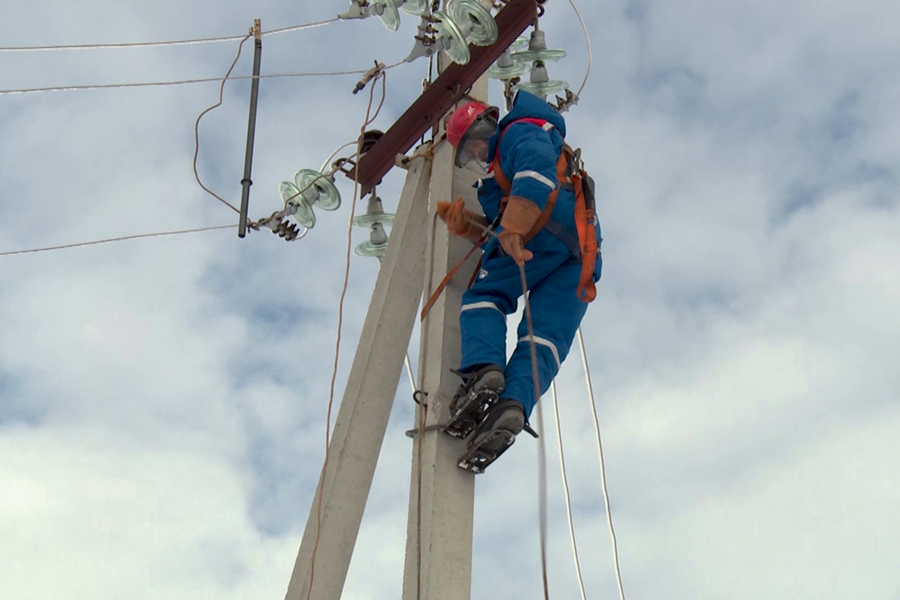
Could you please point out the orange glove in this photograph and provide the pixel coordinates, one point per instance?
(455, 216)
(518, 219)
(460, 220)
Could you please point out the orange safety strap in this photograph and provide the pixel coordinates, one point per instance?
(587, 239)
(503, 181)
(440, 288)
(585, 221)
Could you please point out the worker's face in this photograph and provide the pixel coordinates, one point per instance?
(473, 148)
(473, 154)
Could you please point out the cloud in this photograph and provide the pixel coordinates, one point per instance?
(162, 402)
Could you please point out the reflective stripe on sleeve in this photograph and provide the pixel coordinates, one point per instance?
(537, 177)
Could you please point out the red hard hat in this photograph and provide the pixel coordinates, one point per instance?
(463, 118)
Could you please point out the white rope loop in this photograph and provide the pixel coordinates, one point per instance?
(612, 531)
(565, 480)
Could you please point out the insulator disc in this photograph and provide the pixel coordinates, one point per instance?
(548, 55)
(390, 16)
(367, 220)
(369, 139)
(542, 89)
(303, 212)
(367, 248)
(521, 43)
(477, 20)
(517, 70)
(326, 195)
(414, 7)
(448, 29)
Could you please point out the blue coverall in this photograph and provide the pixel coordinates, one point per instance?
(528, 157)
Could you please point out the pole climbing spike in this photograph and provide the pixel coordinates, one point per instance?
(478, 392)
(494, 435)
(478, 458)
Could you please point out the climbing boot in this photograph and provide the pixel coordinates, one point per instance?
(494, 435)
(478, 391)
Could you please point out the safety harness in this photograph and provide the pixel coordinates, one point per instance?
(570, 174)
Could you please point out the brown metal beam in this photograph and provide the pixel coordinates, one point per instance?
(440, 96)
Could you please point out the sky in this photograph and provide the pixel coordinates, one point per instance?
(163, 401)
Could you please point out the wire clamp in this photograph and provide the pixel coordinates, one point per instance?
(564, 104)
(361, 9)
(373, 73)
(279, 225)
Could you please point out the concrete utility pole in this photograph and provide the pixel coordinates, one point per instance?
(340, 498)
(439, 528)
(433, 570)
(438, 562)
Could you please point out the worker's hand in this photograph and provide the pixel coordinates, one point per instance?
(519, 217)
(458, 219)
(513, 246)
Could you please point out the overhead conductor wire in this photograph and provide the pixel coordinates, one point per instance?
(612, 531)
(140, 84)
(109, 86)
(116, 239)
(337, 352)
(211, 40)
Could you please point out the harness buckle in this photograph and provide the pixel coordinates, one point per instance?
(576, 162)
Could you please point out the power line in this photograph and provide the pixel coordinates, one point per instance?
(116, 239)
(298, 27)
(211, 40)
(68, 88)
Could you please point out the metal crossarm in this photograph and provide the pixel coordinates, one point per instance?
(441, 95)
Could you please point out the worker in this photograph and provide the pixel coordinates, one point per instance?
(522, 153)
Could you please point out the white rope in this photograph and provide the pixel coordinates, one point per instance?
(612, 532)
(542, 492)
(412, 379)
(333, 154)
(565, 479)
(539, 428)
(590, 50)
